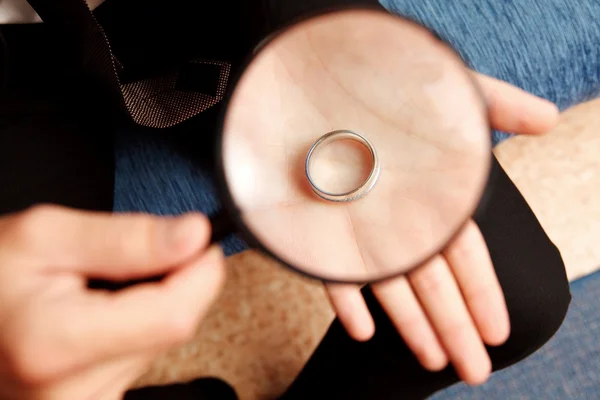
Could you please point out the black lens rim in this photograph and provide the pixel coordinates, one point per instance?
(226, 196)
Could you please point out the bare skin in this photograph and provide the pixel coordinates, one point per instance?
(61, 340)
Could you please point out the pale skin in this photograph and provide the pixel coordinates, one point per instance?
(411, 97)
(60, 340)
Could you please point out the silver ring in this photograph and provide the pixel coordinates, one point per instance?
(360, 191)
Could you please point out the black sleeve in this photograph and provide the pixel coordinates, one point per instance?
(149, 35)
(53, 146)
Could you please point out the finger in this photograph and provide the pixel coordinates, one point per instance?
(149, 316)
(473, 270)
(352, 311)
(402, 306)
(514, 110)
(441, 299)
(108, 246)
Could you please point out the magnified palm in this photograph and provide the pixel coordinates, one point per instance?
(401, 88)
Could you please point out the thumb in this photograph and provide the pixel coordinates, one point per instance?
(514, 110)
(151, 316)
(104, 245)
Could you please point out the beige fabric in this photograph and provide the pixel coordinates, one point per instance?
(258, 335)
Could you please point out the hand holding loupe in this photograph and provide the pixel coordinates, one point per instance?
(353, 147)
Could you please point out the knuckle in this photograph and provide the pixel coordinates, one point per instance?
(464, 246)
(461, 250)
(524, 124)
(41, 213)
(454, 330)
(27, 372)
(28, 225)
(429, 281)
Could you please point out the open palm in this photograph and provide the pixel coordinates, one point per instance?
(448, 308)
(422, 113)
(418, 105)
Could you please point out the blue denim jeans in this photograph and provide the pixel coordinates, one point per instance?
(550, 48)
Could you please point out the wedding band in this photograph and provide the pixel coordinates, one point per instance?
(360, 191)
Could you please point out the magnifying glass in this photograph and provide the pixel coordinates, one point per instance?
(354, 146)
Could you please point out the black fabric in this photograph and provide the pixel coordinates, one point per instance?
(152, 100)
(53, 145)
(201, 389)
(281, 12)
(135, 49)
(196, 77)
(148, 36)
